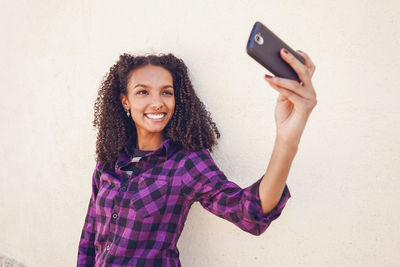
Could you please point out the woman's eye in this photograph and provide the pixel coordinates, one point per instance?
(168, 93)
(141, 92)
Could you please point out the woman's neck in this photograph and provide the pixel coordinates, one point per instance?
(150, 142)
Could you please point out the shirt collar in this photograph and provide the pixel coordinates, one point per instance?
(166, 149)
(163, 150)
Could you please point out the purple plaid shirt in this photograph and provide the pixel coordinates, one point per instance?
(136, 218)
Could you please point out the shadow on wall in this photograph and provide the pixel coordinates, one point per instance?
(7, 262)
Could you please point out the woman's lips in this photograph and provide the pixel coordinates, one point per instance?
(155, 116)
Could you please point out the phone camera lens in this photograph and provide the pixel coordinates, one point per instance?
(258, 38)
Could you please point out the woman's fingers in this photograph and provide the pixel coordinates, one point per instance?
(298, 67)
(302, 94)
(308, 62)
(290, 85)
(292, 96)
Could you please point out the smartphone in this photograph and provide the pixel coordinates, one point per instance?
(264, 46)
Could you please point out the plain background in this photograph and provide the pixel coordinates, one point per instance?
(344, 181)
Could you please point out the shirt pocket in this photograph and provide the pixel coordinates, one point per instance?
(151, 197)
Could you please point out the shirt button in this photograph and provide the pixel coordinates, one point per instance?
(115, 215)
(108, 247)
(123, 188)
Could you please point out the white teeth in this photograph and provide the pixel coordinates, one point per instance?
(153, 116)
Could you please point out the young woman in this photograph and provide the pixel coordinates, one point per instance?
(153, 162)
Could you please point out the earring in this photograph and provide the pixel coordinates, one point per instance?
(127, 112)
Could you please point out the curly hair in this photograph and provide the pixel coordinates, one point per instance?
(191, 125)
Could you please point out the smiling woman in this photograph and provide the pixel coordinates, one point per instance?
(153, 162)
(144, 85)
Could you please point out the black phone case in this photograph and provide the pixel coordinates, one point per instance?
(268, 53)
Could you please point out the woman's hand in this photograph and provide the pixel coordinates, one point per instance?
(296, 100)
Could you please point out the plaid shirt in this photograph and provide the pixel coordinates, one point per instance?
(135, 218)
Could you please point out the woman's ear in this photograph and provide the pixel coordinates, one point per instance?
(124, 101)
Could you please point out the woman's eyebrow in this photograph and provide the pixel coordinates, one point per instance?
(146, 86)
(140, 85)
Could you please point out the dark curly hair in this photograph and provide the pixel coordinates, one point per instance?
(191, 125)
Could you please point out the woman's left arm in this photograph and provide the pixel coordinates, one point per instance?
(294, 105)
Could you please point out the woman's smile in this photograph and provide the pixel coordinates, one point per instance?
(155, 116)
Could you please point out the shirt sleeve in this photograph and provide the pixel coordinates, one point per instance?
(86, 250)
(203, 181)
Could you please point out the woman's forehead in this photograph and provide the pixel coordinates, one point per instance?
(150, 75)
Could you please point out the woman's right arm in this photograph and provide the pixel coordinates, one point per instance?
(206, 183)
(86, 251)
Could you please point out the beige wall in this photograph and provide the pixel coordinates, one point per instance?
(344, 181)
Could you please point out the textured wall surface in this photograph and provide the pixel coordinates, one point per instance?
(8, 262)
(344, 181)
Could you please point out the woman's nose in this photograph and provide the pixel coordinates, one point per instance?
(157, 103)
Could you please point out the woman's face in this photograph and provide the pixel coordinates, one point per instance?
(150, 99)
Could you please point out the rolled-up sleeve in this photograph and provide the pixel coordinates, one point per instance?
(203, 181)
(86, 250)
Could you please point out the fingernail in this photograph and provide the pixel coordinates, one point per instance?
(268, 76)
(285, 51)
